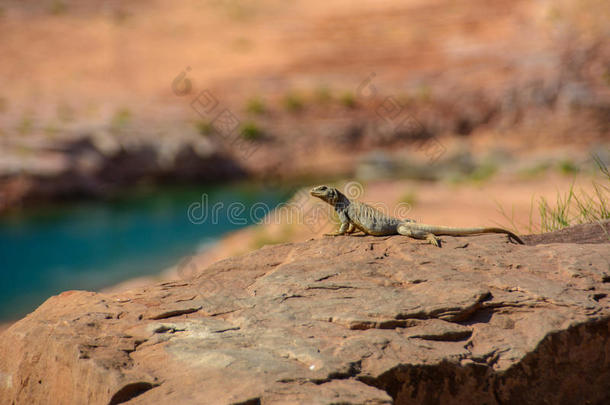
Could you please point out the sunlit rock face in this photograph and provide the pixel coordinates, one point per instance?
(337, 320)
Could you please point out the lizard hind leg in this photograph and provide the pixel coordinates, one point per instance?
(433, 240)
(405, 229)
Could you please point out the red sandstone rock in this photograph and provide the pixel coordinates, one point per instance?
(355, 320)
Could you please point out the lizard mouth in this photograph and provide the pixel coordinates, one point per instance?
(317, 193)
(322, 192)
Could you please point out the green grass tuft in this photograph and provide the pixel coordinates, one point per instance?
(348, 100)
(256, 106)
(483, 172)
(251, 131)
(204, 128)
(322, 94)
(120, 119)
(573, 207)
(58, 7)
(534, 171)
(568, 167)
(423, 93)
(409, 197)
(51, 130)
(293, 102)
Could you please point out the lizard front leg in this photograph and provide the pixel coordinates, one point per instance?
(342, 230)
(346, 225)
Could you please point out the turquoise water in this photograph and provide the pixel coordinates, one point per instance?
(91, 245)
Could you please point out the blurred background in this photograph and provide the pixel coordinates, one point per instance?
(116, 117)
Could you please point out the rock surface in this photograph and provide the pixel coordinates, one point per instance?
(584, 233)
(351, 320)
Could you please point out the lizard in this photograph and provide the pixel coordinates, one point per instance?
(357, 216)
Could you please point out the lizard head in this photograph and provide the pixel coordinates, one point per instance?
(329, 194)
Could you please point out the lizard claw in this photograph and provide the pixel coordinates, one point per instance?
(433, 240)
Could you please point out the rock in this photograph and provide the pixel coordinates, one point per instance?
(376, 165)
(97, 164)
(585, 233)
(351, 320)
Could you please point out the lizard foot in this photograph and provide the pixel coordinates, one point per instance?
(433, 240)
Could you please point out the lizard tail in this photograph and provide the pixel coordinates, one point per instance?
(417, 229)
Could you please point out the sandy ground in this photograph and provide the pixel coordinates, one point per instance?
(69, 63)
(132, 51)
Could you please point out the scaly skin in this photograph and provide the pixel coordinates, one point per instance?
(355, 216)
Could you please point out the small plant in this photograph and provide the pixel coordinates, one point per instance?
(293, 102)
(606, 77)
(65, 113)
(204, 128)
(239, 10)
(25, 126)
(323, 94)
(58, 7)
(409, 197)
(423, 93)
(479, 174)
(552, 219)
(121, 119)
(51, 130)
(596, 207)
(511, 219)
(483, 172)
(567, 167)
(534, 171)
(573, 207)
(256, 106)
(120, 16)
(250, 131)
(348, 100)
